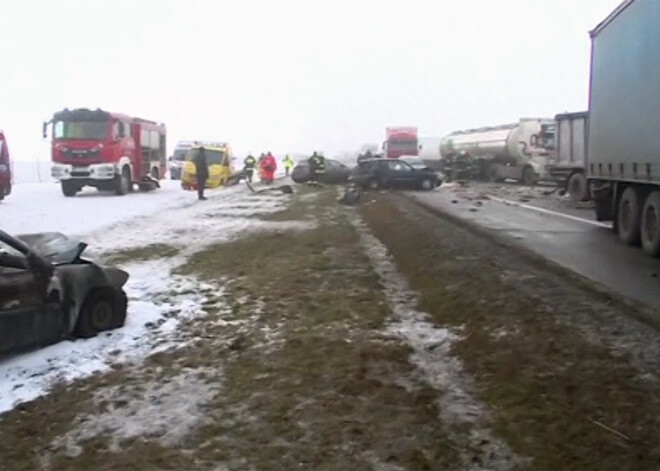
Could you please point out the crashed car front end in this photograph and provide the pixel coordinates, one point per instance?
(48, 292)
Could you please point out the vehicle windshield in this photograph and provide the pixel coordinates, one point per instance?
(402, 145)
(414, 162)
(95, 130)
(180, 154)
(213, 157)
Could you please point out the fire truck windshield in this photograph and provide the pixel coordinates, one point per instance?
(95, 130)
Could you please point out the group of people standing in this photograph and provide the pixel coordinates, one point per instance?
(266, 165)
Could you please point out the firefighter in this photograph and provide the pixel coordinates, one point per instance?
(201, 172)
(316, 167)
(288, 164)
(269, 165)
(248, 168)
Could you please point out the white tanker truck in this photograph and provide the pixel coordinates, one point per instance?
(519, 151)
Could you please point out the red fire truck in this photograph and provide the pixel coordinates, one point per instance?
(5, 167)
(109, 151)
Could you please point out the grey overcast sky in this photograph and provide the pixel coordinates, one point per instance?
(293, 76)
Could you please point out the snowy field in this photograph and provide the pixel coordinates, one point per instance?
(159, 300)
(41, 207)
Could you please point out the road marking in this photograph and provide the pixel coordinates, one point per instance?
(548, 211)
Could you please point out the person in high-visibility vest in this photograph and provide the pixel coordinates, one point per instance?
(248, 169)
(288, 164)
(316, 167)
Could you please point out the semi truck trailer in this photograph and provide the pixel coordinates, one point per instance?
(623, 145)
(567, 163)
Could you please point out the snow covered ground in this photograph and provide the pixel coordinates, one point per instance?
(159, 301)
(39, 207)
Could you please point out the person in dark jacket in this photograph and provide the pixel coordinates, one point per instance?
(248, 168)
(316, 167)
(201, 172)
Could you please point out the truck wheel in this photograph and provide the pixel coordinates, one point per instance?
(629, 216)
(650, 232)
(528, 176)
(427, 184)
(97, 314)
(493, 176)
(69, 189)
(123, 182)
(578, 188)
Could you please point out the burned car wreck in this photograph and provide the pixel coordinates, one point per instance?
(49, 293)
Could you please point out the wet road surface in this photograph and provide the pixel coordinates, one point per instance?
(586, 247)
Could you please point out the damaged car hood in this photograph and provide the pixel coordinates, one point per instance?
(54, 247)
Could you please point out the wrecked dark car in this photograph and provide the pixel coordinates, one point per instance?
(49, 293)
(335, 172)
(374, 174)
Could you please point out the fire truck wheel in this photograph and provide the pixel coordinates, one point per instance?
(123, 182)
(69, 189)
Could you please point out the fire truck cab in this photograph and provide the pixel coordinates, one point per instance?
(108, 151)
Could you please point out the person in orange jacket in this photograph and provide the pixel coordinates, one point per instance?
(268, 166)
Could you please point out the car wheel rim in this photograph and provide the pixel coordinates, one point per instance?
(101, 315)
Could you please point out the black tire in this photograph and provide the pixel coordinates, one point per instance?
(650, 225)
(578, 188)
(426, 184)
(123, 182)
(629, 216)
(491, 174)
(103, 309)
(373, 184)
(69, 189)
(528, 176)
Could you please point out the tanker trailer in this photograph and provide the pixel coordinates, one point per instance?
(519, 151)
(429, 151)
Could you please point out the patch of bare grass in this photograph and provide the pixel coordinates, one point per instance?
(334, 391)
(149, 252)
(548, 387)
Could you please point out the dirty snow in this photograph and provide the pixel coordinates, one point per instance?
(158, 300)
(151, 409)
(433, 358)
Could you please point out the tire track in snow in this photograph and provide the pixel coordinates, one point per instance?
(479, 448)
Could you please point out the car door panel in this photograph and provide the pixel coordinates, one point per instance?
(27, 318)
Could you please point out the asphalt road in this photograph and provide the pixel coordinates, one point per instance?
(586, 247)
